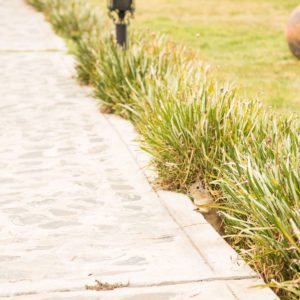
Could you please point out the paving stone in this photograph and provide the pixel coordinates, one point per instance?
(63, 182)
(35, 35)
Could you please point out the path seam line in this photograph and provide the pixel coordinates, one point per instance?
(159, 284)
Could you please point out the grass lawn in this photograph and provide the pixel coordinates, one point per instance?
(243, 40)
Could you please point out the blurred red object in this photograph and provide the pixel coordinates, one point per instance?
(292, 32)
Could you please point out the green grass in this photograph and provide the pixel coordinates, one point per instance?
(198, 128)
(242, 40)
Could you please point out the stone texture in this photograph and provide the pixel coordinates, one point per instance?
(23, 33)
(75, 206)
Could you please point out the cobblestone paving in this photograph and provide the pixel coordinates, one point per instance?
(74, 205)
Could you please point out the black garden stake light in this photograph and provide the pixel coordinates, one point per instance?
(121, 11)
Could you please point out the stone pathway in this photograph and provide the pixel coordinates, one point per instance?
(75, 206)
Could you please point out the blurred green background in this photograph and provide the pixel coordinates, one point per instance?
(242, 40)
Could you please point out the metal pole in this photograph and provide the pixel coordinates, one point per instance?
(121, 30)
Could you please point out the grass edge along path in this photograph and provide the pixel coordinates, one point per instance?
(198, 129)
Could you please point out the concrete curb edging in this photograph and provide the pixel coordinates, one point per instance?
(219, 255)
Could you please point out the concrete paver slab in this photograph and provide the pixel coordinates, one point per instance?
(73, 188)
(20, 31)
